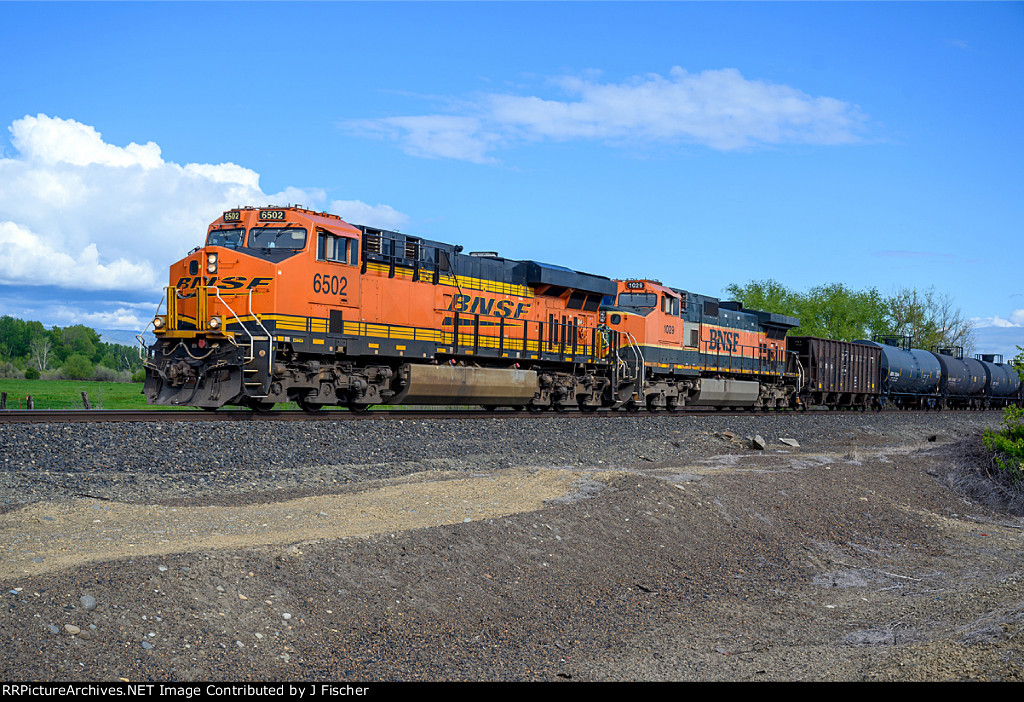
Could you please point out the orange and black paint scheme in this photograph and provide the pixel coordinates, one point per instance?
(700, 351)
(286, 304)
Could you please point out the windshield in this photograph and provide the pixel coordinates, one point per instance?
(638, 300)
(277, 238)
(231, 238)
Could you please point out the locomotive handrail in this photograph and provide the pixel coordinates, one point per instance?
(258, 320)
(140, 337)
(252, 339)
(216, 292)
(641, 366)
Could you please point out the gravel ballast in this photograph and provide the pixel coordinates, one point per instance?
(552, 549)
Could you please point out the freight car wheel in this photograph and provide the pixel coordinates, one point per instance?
(260, 407)
(358, 407)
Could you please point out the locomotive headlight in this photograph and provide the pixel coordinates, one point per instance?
(211, 262)
(214, 323)
(159, 322)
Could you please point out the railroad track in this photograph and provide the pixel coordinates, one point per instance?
(243, 415)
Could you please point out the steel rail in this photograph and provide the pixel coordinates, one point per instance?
(244, 415)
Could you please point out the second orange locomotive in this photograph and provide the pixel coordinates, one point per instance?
(286, 304)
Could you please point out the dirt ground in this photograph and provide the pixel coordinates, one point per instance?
(857, 563)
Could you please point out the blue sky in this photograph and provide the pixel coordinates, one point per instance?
(877, 145)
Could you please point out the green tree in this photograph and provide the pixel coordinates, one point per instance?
(834, 311)
(767, 295)
(16, 335)
(931, 318)
(831, 311)
(80, 340)
(79, 367)
(1018, 362)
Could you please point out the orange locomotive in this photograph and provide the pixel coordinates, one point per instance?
(696, 350)
(286, 304)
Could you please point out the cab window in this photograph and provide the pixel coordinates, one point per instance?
(293, 238)
(229, 238)
(638, 300)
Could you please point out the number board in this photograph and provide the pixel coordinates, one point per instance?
(272, 215)
(233, 216)
(634, 285)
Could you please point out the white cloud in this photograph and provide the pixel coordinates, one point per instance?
(79, 213)
(1016, 319)
(717, 108)
(49, 140)
(27, 257)
(357, 212)
(119, 318)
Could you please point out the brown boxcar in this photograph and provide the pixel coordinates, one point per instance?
(837, 373)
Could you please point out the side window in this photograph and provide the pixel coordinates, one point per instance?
(334, 248)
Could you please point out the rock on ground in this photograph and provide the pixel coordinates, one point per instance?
(640, 548)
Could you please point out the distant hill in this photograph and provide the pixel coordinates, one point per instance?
(123, 336)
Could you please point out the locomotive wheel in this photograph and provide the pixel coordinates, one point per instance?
(260, 407)
(584, 407)
(534, 408)
(358, 407)
(309, 407)
(489, 408)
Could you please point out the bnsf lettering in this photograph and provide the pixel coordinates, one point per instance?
(485, 306)
(230, 283)
(723, 341)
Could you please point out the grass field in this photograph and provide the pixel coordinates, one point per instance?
(67, 394)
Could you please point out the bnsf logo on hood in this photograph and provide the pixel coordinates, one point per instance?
(234, 282)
